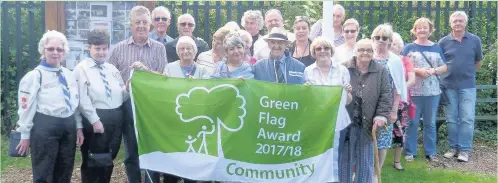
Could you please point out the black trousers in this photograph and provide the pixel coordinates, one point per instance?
(112, 120)
(131, 160)
(154, 177)
(53, 145)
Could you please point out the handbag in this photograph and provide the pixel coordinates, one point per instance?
(14, 139)
(103, 159)
(15, 136)
(444, 98)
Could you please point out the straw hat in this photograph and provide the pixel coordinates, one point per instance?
(279, 34)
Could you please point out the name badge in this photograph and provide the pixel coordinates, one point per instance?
(296, 74)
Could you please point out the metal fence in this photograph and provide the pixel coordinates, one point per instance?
(23, 23)
(22, 26)
(402, 15)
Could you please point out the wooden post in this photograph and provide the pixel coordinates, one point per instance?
(54, 16)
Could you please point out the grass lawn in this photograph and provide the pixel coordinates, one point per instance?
(417, 171)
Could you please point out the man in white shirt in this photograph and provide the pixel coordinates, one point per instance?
(273, 18)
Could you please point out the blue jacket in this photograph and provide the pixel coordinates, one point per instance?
(264, 70)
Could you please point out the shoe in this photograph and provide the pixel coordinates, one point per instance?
(451, 153)
(409, 158)
(399, 169)
(463, 157)
(432, 158)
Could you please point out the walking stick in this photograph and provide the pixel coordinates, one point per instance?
(376, 152)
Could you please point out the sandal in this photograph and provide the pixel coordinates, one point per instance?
(399, 169)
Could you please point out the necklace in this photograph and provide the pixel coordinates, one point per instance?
(302, 54)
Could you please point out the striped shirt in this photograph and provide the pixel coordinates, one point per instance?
(152, 54)
(316, 31)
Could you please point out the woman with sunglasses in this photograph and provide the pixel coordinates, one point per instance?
(382, 39)
(234, 65)
(428, 61)
(325, 71)
(102, 92)
(370, 105)
(350, 31)
(300, 49)
(48, 99)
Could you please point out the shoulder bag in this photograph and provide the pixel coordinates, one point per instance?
(444, 98)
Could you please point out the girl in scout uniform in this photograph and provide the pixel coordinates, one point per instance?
(48, 98)
(102, 92)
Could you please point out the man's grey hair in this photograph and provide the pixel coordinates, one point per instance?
(139, 10)
(186, 15)
(459, 13)
(186, 40)
(255, 15)
(52, 35)
(340, 8)
(274, 11)
(233, 39)
(161, 9)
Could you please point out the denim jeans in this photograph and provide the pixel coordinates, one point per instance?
(131, 148)
(427, 109)
(460, 118)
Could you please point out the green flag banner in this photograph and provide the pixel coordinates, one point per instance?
(235, 130)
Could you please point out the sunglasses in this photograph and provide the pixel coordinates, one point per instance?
(384, 38)
(157, 19)
(183, 24)
(361, 50)
(51, 49)
(324, 49)
(350, 31)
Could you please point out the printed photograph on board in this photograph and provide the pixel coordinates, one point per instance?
(83, 15)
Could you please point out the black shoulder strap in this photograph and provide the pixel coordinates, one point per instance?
(40, 76)
(427, 60)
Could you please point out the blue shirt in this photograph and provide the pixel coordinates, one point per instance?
(430, 85)
(221, 71)
(461, 60)
(293, 70)
(153, 35)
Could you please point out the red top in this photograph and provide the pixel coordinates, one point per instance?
(408, 64)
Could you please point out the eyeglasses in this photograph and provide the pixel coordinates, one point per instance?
(164, 19)
(361, 50)
(384, 38)
(350, 31)
(183, 24)
(51, 49)
(324, 49)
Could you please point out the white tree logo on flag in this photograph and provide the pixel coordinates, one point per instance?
(214, 127)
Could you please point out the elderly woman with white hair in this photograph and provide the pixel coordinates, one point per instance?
(253, 22)
(48, 99)
(234, 64)
(369, 110)
(382, 39)
(247, 38)
(405, 109)
(186, 67)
